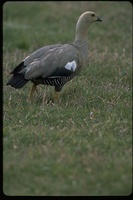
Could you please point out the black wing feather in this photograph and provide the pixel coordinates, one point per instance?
(17, 80)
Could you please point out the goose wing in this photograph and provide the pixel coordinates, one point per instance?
(55, 60)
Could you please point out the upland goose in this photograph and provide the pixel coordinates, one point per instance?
(57, 64)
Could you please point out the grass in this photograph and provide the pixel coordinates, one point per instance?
(84, 145)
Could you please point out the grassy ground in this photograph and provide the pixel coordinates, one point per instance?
(84, 145)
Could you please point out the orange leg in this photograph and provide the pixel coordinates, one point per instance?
(56, 97)
(32, 91)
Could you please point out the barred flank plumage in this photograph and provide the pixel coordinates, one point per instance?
(57, 81)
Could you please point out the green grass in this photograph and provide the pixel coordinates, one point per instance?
(84, 145)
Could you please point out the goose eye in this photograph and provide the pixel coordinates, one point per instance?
(93, 15)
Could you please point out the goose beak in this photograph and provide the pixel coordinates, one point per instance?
(99, 20)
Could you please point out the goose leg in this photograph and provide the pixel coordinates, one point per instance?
(32, 91)
(56, 97)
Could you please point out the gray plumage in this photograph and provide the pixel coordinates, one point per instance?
(56, 64)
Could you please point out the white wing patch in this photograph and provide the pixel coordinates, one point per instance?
(71, 66)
